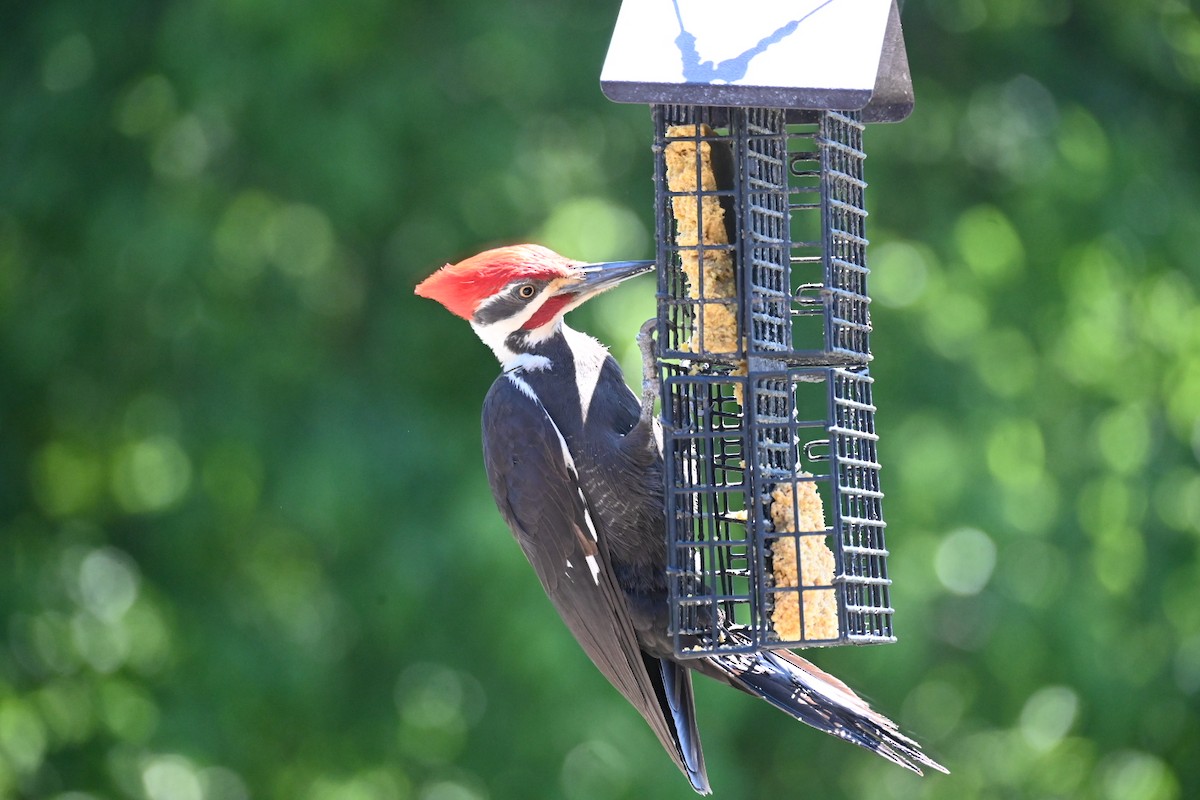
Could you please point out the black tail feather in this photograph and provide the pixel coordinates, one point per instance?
(677, 681)
(816, 698)
(673, 685)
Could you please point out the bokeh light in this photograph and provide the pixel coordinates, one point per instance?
(247, 549)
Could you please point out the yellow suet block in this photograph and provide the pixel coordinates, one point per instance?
(700, 220)
(798, 508)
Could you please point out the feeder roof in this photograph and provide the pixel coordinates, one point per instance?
(804, 54)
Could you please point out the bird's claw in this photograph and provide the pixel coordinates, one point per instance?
(651, 386)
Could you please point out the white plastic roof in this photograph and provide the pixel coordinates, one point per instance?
(797, 54)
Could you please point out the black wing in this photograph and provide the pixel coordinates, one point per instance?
(536, 488)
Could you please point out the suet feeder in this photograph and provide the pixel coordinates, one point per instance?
(773, 506)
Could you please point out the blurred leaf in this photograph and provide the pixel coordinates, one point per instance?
(246, 545)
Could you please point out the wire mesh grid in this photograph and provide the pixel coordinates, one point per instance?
(859, 511)
(762, 138)
(763, 345)
(825, 562)
(695, 190)
(710, 560)
(845, 244)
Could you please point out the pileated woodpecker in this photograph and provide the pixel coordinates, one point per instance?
(575, 465)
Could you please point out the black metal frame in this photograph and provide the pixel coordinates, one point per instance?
(790, 404)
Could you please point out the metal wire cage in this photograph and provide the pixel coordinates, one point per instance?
(775, 524)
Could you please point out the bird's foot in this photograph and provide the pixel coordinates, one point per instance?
(651, 386)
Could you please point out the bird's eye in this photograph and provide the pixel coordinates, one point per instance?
(527, 290)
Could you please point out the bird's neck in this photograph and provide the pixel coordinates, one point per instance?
(540, 349)
(562, 373)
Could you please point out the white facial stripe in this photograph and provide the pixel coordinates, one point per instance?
(495, 334)
(485, 303)
(548, 329)
(541, 334)
(517, 320)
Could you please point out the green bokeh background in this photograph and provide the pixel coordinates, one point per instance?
(246, 544)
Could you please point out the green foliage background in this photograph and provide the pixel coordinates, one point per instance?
(246, 546)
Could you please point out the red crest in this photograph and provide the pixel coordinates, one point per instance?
(463, 286)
